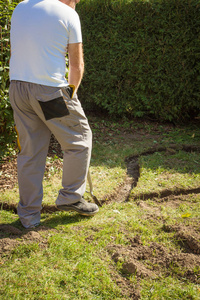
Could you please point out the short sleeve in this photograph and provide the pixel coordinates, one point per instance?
(75, 34)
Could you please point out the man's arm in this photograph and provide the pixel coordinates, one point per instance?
(76, 64)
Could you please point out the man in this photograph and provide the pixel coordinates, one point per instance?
(44, 102)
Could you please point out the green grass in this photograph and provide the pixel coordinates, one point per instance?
(75, 264)
(72, 255)
(167, 289)
(68, 269)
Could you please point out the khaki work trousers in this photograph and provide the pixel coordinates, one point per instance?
(39, 111)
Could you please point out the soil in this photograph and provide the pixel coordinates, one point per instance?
(155, 260)
(144, 261)
(11, 237)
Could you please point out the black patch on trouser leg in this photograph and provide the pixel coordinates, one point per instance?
(55, 108)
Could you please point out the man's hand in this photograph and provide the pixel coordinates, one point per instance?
(76, 64)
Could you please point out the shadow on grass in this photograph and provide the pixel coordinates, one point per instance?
(62, 218)
(15, 230)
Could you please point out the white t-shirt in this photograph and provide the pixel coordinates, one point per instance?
(40, 33)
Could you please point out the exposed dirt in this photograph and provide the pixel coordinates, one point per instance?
(8, 166)
(11, 237)
(155, 260)
(187, 237)
(144, 261)
(8, 169)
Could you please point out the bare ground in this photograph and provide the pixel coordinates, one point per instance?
(144, 261)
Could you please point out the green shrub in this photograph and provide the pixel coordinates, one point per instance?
(142, 57)
(6, 117)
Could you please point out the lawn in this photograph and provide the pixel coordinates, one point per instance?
(145, 241)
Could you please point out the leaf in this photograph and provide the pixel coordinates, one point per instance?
(187, 215)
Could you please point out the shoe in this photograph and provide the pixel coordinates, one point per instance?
(82, 207)
(33, 226)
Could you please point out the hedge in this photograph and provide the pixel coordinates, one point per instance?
(142, 59)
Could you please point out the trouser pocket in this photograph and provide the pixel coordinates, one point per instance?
(53, 105)
(55, 108)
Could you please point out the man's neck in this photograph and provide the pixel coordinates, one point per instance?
(70, 3)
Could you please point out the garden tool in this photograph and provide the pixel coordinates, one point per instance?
(91, 189)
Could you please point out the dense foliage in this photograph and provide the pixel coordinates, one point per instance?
(142, 59)
(6, 118)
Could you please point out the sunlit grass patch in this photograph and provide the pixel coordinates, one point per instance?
(7, 217)
(105, 179)
(161, 171)
(68, 269)
(72, 258)
(10, 196)
(168, 288)
(160, 179)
